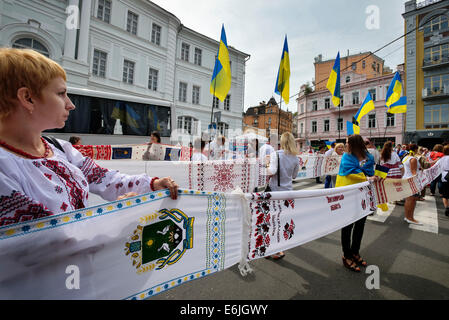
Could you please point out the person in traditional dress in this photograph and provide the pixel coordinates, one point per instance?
(356, 166)
(38, 179)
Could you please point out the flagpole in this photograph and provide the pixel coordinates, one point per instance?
(212, 113)
(338, 121)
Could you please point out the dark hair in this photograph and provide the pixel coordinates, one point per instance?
(412, 147)
(357, 146)
(385, 154)
(446, 150)
(333, 144)
(157, 135)
(74, 139)
(438, 148)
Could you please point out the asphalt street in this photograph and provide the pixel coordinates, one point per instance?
(404, 263)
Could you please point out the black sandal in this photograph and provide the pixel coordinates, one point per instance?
(351, 266)
(358, 259)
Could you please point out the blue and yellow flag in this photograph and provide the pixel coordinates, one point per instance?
(399, 107)
(283, 79)
(221, 78)
(365, 108)
(126, 114)
(333, 84)
(394, 90)
(352, 128)
(350, 171)
(329, 144)
(381, 171)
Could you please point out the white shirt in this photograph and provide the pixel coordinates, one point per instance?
(266, 150)
(375, 153)
(444, 162)
(35, 188)
(289, 167)
(329, 152)
(407, 169)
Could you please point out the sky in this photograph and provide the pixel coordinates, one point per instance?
(258, 28)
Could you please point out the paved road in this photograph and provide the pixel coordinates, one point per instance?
(413, 263)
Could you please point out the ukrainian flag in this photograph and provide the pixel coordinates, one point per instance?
(350, 171)
(399, 107)
(221, 78)
(394, 90)
(283, 78)
(333, 84)
(381, 171)
(352, 128)
(125, 114)
(365, 108)
(328, 144)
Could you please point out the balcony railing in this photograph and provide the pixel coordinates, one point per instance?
(428, 93)
(427, 63)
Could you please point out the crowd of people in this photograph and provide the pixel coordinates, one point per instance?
(40, 178)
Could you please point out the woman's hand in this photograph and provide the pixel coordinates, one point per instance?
(167, 183)
(374, 178)
(127, 195)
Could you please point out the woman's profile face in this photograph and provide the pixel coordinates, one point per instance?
(153, 139)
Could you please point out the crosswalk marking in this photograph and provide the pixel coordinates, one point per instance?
(426, 213)
(381, 216)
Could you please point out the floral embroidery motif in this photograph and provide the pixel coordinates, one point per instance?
(64, 206)
(97, 175)
(288, 230)
(58, 189)
(262, 210)
(48, 176)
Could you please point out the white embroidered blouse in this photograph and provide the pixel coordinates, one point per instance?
(35, 188)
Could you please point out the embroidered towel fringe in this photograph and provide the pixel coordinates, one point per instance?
(244, 266)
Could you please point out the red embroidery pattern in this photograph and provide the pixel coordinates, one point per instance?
(262, 210)
(93, 172)
(23, 207)
(74, 192)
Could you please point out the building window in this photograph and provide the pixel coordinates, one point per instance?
(196, 95)
(131, 23)
(327, 103)
(302, 107)
(152, 79)
(340, 124)
(373, 93)
(30, 43)
(355, 97)
(314, 127)
(223, 128)
(187, 124)
(314, 105)
(128, 72)
(156, 34)
(185, 52)
(371, 121)
(198, 56)
(183, 92)
(436, 24)
(363, 64)
(437, 84)
(436, 116)
(436, 54)
(216, 103)
(99, 63)
(348, 79)
(104, 10)
(342, 102)
(301, 128)
(326, 125)
(227, 102)
(390, 119)
(354, 66)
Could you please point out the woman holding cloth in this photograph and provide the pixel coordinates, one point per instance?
(357, 165)
(38, 178)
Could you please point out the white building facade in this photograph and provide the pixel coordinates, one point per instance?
(132, 67)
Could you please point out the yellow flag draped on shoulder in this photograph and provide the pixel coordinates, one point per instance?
(221, 78)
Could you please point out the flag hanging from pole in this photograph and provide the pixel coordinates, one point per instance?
(399, 107)
(221, 78)
(352, 128)
(333, 84)
(283, 78)
(365, 108)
